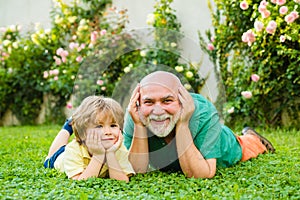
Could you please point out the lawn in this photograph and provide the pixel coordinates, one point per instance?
(22, 176)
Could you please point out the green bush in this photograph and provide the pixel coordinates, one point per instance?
(255, 49)
(86, 51)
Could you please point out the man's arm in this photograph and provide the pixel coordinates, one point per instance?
(138, 152)
(192, 162)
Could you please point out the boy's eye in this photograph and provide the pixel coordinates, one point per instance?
(114, 125)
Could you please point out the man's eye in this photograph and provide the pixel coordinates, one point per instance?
(148, 102)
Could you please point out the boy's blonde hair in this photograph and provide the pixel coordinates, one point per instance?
(86, 114)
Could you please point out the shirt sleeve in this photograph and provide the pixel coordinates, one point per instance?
(68, 126)
(206, 128)
(128, 130)
(73, 160)
(122, 157)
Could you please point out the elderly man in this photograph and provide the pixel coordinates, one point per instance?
(170, 129)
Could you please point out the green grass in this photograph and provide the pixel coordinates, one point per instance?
(22, 176)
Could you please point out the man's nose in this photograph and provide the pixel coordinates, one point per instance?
(158, 109)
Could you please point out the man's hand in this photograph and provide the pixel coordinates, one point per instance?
(187, 104)
(133, 106)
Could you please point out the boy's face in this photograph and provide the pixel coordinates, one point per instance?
(108, 129)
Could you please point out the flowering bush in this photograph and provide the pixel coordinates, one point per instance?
(256, 52)
(167, 52)
(47, 61)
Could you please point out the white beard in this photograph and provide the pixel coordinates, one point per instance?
(164, 129)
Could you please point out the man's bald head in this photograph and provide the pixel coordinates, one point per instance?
(165, 79)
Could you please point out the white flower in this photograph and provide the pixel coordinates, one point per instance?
(179, 68)
(187, 86)
(127, 69)
(6, 42)
(143, 53)
(189, 74)
(230, 110)
(150, 19)
(15, 45)
(173, 44)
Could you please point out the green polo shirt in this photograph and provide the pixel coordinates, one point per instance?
(213, 139)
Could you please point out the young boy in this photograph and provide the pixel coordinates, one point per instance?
(97, 150)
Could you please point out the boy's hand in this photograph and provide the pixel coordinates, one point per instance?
(93, 142)
(117, 145)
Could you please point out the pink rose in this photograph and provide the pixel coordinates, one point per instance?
(265, 14)
(271, 27)
(78, 58)
(210, 47)
(258, 25)
(244, 5)
(282, 38)
(280, 2)
(103, 32)
(290, 18)
(248, 37)
(99, 82)
(247, 94)
(283, 10)
(94, 36)
(254, 77)
(69, 105)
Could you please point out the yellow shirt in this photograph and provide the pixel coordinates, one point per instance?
(76, 158)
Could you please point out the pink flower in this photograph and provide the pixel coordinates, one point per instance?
(271, 28)
(99, 82)
(59, 51)
(55, 78)
(210, 47)
(254, 77)
(282, 38)
(283, 10)
(258, 25)
(78, 58)
(265, 14)
(295, 14)
(244, 5)
(248, 37)
(64, 59)
(290, 18)
(69, 105)
(57, 60)
(274, 1)
(94, 36)
(73, 45)
(103, 32)
(54, 72)
(247, 94)
(280, 2)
